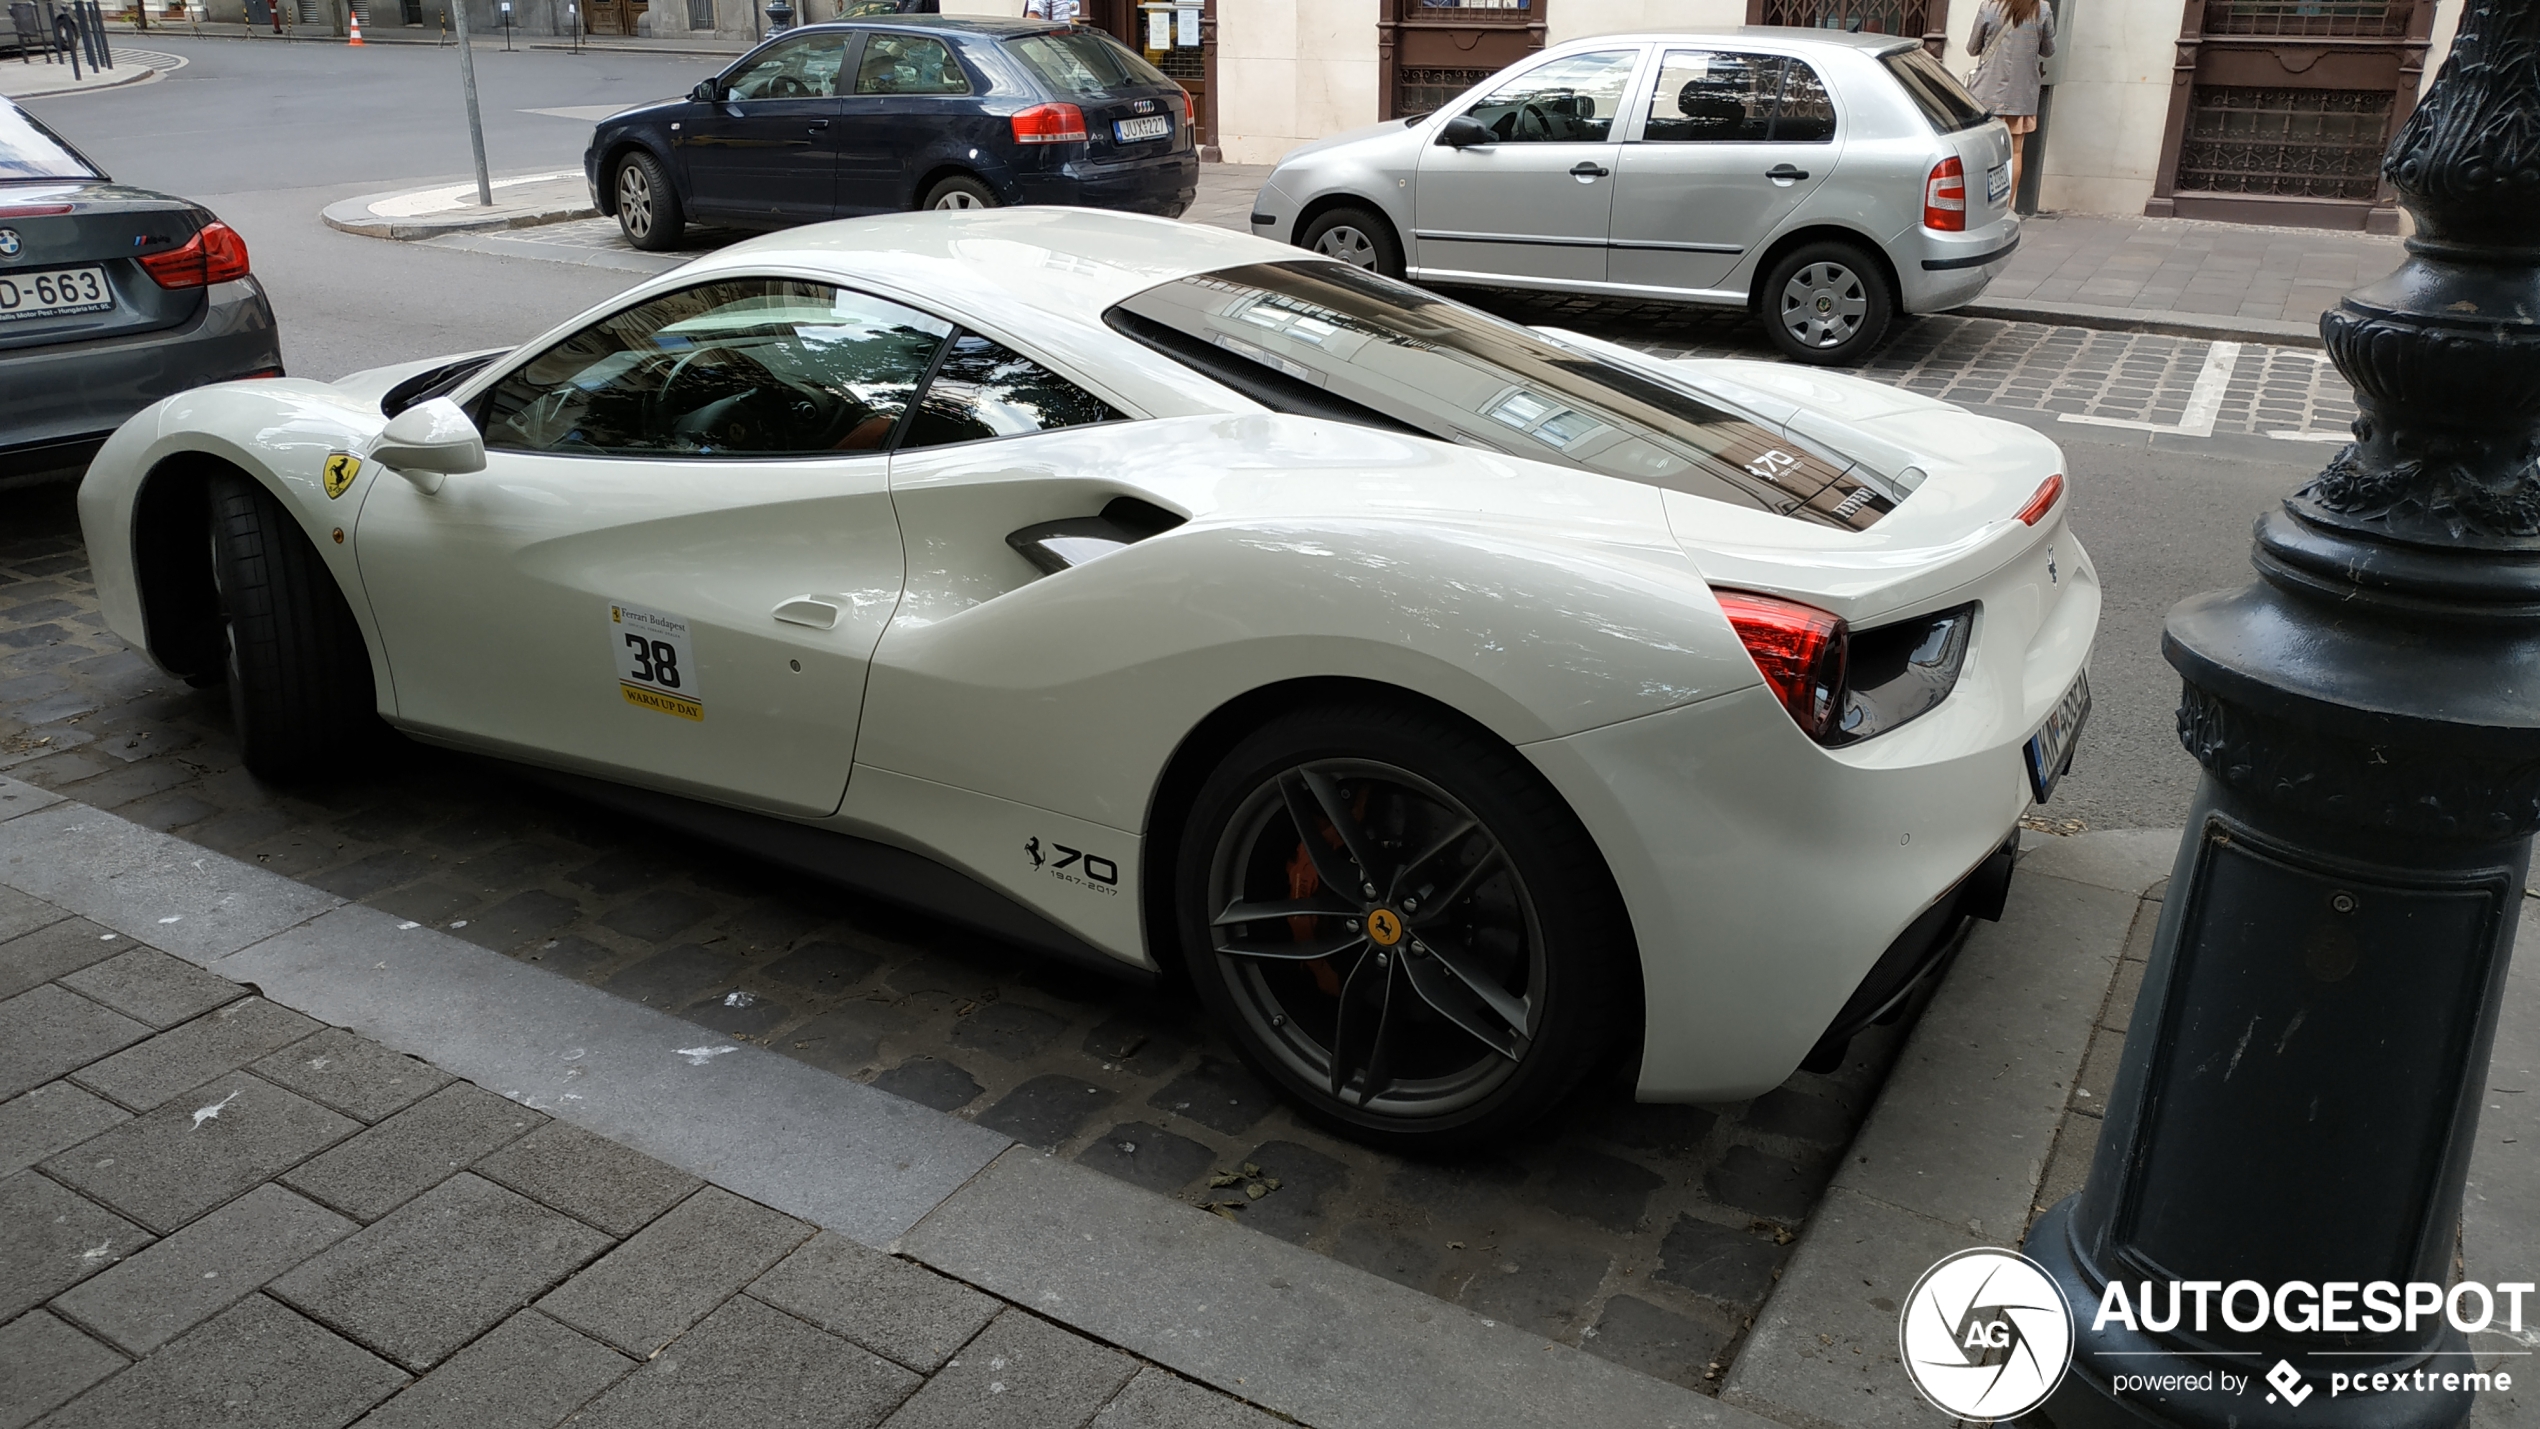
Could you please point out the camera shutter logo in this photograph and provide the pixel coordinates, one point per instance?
(1986, 1335)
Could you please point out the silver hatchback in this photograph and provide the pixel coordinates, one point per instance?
(1825, 181)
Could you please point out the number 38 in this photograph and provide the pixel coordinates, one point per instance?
(655, 661)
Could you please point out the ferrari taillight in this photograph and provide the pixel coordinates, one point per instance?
(1049, 124)
(2048, 493)
(1800, 650)
(1945, 197)
(215, 255)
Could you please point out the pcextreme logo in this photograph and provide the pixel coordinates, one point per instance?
(1985, 1335)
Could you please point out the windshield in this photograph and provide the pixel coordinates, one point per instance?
(1332, 340)
(1935, 91)
(29, 151)
(1085, 62)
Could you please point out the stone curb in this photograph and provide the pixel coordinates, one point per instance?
(353, 215)
(1273, 1323)
(2162, 321)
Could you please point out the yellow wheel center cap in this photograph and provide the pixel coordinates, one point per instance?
(1385, 926)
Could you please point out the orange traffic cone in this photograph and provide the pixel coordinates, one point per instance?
(357, 24)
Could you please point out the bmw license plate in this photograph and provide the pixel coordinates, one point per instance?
(2049, 752)
(1135, 131)
(1997, 183)
(52, 294)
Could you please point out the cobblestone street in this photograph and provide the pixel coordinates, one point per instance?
(1644, 1234)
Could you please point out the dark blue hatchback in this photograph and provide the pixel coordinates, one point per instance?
(878, 116)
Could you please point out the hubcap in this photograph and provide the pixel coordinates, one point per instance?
(959, 198)
(1823, 305)
(634, 200)
(1376, 937)
(1348, 244)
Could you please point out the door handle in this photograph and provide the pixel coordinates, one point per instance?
(819, 124)
(818, 614)
(1589, 169)
(1786, 173)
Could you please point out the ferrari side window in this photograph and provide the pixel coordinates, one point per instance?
(985, 389)
(741, 367)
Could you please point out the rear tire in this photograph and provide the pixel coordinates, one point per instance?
(1828, 304)
(1510, 955)
(648, 210)
(299, 676)
(1357, 237)
(960, 192)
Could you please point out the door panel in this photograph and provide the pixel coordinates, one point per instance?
(1536, 203)
(676, 563)
(1730, 147)
(769, 152)
(909, 93)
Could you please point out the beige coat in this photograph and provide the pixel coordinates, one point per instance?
(2007, 81)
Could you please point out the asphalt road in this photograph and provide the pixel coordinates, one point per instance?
(267, 134)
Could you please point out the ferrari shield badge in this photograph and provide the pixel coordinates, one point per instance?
(341, 468)
(656, 664)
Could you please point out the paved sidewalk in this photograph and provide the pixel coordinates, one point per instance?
(232, 1205)
(34, 79)
(2178, 275)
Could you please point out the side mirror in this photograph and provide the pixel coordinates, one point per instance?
(1464, 131)
(429, 441)
(708, 91)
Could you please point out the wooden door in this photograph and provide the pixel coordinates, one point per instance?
(1429, 51)
(2280, 110)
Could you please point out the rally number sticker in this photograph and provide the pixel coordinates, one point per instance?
(656, 661)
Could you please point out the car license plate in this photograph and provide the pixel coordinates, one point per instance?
(2050, 751)
(54, 293)
(1997, 183)
(1132, 131)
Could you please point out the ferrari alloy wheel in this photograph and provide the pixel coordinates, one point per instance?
(1827, 303)
(1400, 923)
(961, 192)
(299, 679)
(647, 206)
(1356, 237)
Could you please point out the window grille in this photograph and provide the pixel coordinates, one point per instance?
(1419, 91)
(1877, 17)
(2293, 143)
(2366, 19)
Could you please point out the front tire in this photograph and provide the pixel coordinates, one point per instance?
(1828, 304)
(648, 210)
(299, 677)
(960, 192)
(1357, 237)
(1400, 924)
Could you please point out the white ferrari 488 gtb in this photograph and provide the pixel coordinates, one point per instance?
(1457, 706)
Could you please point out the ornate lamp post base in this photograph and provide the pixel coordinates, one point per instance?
(2291, 1125)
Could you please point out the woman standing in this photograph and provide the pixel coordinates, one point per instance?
(2012, 36)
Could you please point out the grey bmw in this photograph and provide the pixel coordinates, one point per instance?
(111, 298)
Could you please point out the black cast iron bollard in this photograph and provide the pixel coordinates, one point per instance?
(2300, 1088)
(780, 16)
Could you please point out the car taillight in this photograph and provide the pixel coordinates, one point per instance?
(1945, 197)
(215, 255)
(2048, 493)
(1049, 124)
(1800, 650)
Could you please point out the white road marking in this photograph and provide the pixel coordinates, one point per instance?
(699, 1056)
(2293, 436)
(579, 111)
(2204, 400)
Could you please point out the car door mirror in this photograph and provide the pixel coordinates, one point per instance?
(708, 91)
(1464, 131)
(429, 441)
